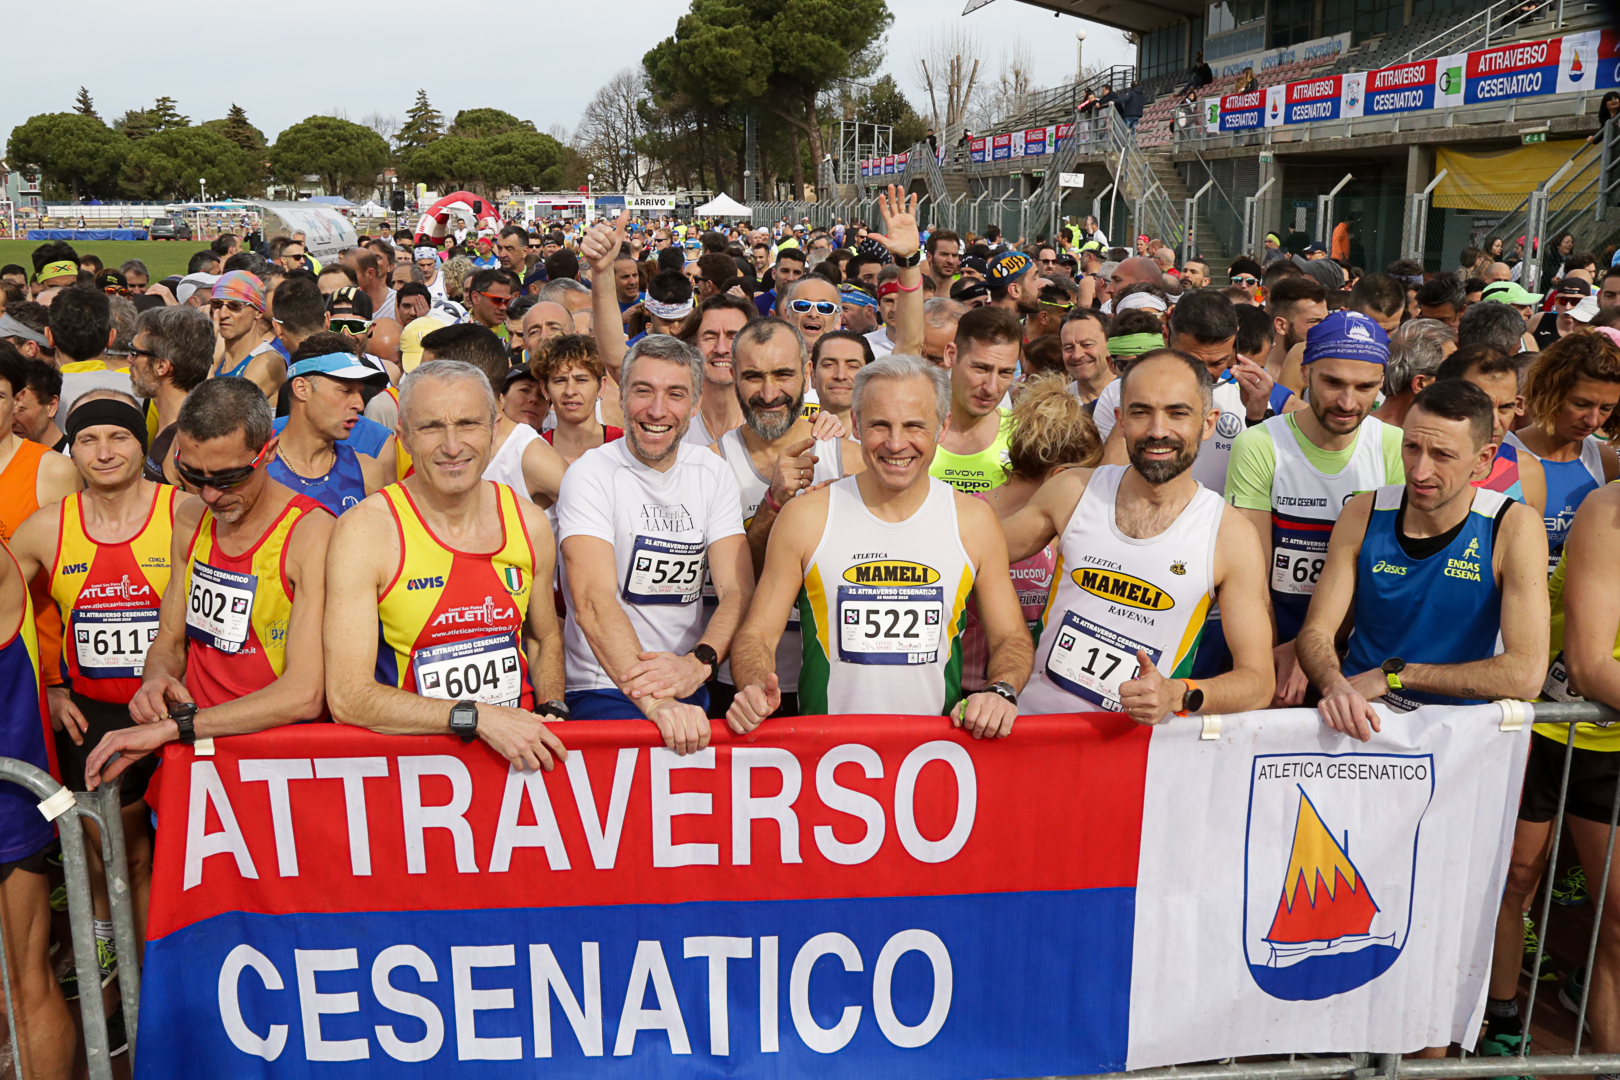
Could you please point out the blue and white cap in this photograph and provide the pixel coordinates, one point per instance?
(1347, 335)
(339, 365)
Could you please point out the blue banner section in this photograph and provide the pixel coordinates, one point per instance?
(944, 987)
(87, 234)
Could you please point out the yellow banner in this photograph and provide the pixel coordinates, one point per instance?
(1480, 179)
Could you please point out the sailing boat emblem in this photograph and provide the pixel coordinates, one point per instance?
(1331, 857)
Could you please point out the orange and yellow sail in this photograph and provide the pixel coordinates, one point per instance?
(1323, 895)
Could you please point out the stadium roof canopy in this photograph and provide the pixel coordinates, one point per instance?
(1137, 16)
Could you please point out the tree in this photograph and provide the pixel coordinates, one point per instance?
(485, 149)
(237, 128)
(166, 116)
(883, 103)
(386, 126)
(135, 124)
(84, 104)
(948, 68)
(344, 155)
(77, 152)
(1010, 91)
(779, 55)
(170, 164)
(423, 124)
(479, 123)
(611, 128)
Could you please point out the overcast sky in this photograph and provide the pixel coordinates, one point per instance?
(542, 61)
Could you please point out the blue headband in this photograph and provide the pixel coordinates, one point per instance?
(1347, 335)
(849, 294)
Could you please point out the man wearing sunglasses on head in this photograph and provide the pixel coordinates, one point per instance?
(488, 292)
(315, 455)
(238, 646)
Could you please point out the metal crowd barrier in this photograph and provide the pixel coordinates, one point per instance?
(65, 808)
(102, 807)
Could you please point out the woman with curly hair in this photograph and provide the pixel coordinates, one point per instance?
(1570, 394)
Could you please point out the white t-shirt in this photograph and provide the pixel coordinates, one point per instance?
(1107, 402)
(879, 339)
(661, 525)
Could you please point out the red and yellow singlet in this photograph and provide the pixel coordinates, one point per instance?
(109, 596)
(237, 609)
(451, 622)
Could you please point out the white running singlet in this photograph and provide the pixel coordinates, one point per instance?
(883, 606)
(1113, 594)
(661, 525)
(506, 464)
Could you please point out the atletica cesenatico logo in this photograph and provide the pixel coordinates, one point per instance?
(488, 615)
(124, 590)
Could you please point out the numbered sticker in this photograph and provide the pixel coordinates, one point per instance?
(219, 607)
(113, 644)
(890, 626)
(665, 572)
(1092, 661)
(484, 669)
(1296, 565)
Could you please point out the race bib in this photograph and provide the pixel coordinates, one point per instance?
(1092, 661)
(665, 572)
(483, 669)
(219, 607)
(1556, 688)
(1296, 563)
(113, 644)
(889, 626)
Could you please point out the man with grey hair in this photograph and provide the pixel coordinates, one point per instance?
(136, 277)
(1147, 530)
(1416, 350)
(238, 644)
(568, 292)
(774, 455)
(173, 350)
(1493, 324)
(640, 520)
(881, 564)
(446, 538)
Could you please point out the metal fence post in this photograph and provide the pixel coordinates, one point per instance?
(1189, 244)
(1417, 219)
(59, 805)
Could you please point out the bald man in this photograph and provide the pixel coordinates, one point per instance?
(542, 322)
(1139, 269)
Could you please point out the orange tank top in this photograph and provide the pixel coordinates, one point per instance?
(19, 497)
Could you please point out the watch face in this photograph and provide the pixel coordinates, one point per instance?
(1194, 700)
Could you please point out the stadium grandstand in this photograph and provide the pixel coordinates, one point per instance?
(1490, 103)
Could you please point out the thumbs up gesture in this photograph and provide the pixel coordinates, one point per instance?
(1150, 697)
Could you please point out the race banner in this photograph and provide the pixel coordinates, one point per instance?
(1062, 133)
(1000, 147)
(976, 149)
(1398, 88)
(1313, 99)
(1243, 112)
(1035, 142)
(1589, 61)
(1522, 69)
(1016, 146)
(888, 165)
(827, 898)
(900, 161)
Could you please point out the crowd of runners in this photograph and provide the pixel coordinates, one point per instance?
(719, 475)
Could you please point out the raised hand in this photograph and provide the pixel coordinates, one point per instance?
(900, 234)
(601, 244)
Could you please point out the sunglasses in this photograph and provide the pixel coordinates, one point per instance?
(115, 290)
(498, 301)
(354, 326)
(1245, 279)
(235, 307)
(822, 307)
(294, 258)
(148, 353)
(1063, 306)
(220, 481)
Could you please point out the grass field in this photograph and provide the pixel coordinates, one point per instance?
(162, 257)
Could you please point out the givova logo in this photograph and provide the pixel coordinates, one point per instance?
(1330, 868)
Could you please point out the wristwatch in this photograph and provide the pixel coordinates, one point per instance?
(1392, 669)
(1005, 691)
(554, 708)
(705, 654)
(1193, 700)
(184, 715)
(464, 720)
(907, 261)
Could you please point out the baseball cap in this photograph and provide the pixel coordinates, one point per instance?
(1574, 286)
(1585, 311)
(977, 265)
(1314, 248)
(111, 281)
(1509, 292)
(338, 365)
(1008, 267)
(358, 302)
(1347, 335)
(410, 338)
(517, 374)
(969, 289)
(11, 328)
(191, 283)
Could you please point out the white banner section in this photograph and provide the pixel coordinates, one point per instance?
(1302, 892)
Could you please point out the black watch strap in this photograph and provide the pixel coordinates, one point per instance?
(184, 716)
(1003, 690)
(554, 708)
(908, 261)
(705, 654)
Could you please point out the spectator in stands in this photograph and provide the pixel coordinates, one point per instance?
(1608, 112)
(1246, 82)
(1202, 75)
(1129, 103)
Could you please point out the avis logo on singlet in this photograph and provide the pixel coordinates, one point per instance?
(436, 582)
(76, 568)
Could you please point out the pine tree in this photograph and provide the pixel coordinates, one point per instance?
(84, 104)
(241, 132)
(164, 115)
(423, 124)
(135, 124)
